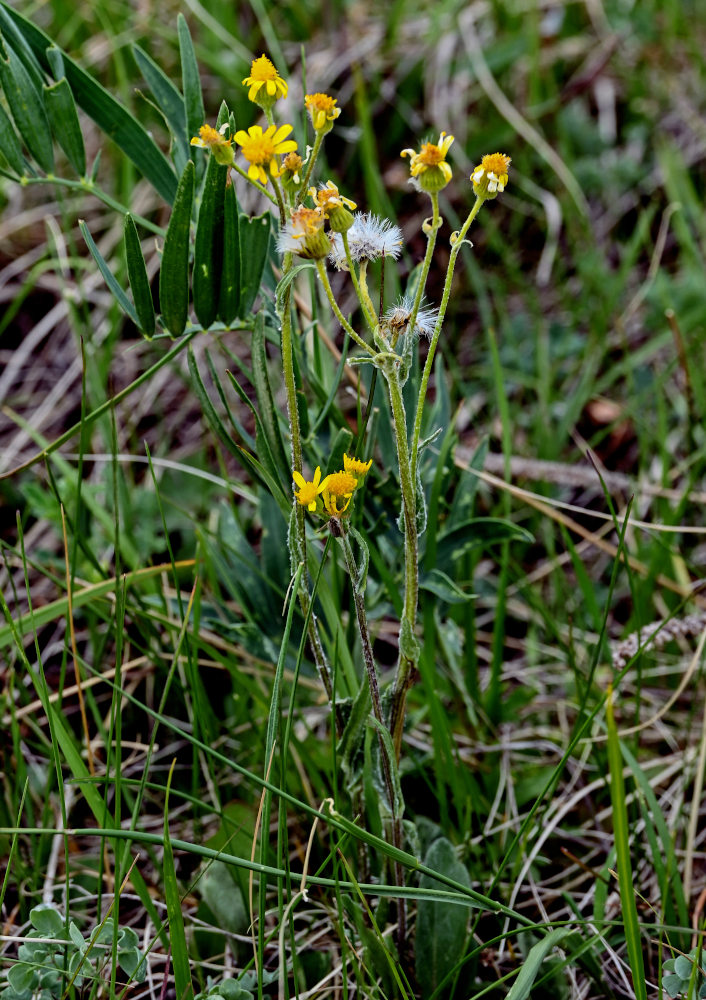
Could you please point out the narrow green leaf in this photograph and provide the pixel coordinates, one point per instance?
(139, 281)
(441, 929)
(55, 61)
(229, 299)
(110, 279)
(254, 248)
(21, 46)
(10, 146)
(65, 125)
(265, 398)
(443, 587)
(26, 105)
(475, 533)
(532, 964)
(174, 273)
(208, 247)
(115, 120)
(621, 834)
(191, 80)
(167, 96)
(177, 935)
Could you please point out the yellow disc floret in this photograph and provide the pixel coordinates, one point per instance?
(308, 491)
(265, 84)
(322, 111)
(356, 468)
(338, 486)
(260, 149)
(490, 176)
(428, 167)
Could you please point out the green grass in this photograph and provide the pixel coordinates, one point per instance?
(203, 777)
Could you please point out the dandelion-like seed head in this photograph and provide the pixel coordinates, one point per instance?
(215, 140)
(397, 318)
(356, 468)
(304, 234)
(339, 486)
(429, 169)
(490, 176)
(308, 492)
(261, 149)
(322, 111)
(369, 238)
(265, 84)
(334, 206)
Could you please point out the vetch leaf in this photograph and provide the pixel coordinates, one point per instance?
(191, 80)
(208, 247)
(65, 125)
(110, 279)
(168, 98)
(26, 105)
(10, 146)
(139, 281)
(115, 120)
(174, 273)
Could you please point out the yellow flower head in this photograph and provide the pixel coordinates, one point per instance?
(322, 111)
(355, 467)
(215, 140)
(490, 176)
(304, 234)
(338, 486)
(428, 167)
(260, 149)
(334, 206)
(308, 491)
(266, 86)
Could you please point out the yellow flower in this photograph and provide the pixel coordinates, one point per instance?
(264, 77)
(355, 467)
(308, 492)
(261, 149)
(334, 206)
(428, 167)
(215, 140)
(322, 111)
(338, 486)
(490, 176)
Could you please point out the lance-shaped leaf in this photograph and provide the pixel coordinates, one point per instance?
(254, 248)
(139, 281)
(168, 99)
(10, 146)
(62, 113)
(174, 273)
(208, 247)
(110, 279)
(229, 298)
(191, 81)
(441, 929)
(26, 105)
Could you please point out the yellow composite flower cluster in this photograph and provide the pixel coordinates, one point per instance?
(331, 496)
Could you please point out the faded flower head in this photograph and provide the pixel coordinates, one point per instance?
(261, 149)
(369, 238)
(429, 169)
(215, 140)
(322, 111)
(334, 206)
(308, 492)
(265, 84)
(304, 234)
(490, 176)
(397, 318)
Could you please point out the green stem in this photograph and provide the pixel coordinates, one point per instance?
(424, 384)
(364, 290)
(431, 243)
(407, 661)
(297, 462)
(260, 187)
(280, 202)
(365, 302)
(374, 686)
(321, 270)
(309, 167)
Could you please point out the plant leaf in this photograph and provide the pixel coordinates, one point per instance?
(174, 273)
(441, 929)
